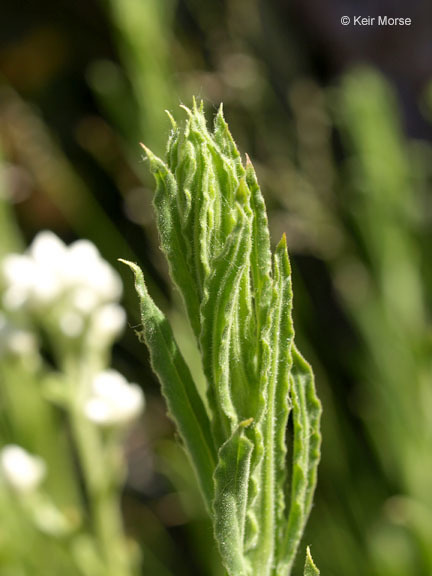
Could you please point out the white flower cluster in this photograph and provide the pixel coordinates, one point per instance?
(113, 401)
(22, 471)
(71, 285)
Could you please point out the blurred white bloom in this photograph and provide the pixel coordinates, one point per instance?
(14, 298)
(18, 272)
(72, 287)
(14, 340)
(71, 324)
(113, 400)
(85, 267)
(84, 300)
(83, 251)
(48, 254)
(47, 249)
(108, 322)
(47, 286)
(21, 342)
(21, 470)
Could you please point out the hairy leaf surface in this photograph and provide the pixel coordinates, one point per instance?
(238, 296)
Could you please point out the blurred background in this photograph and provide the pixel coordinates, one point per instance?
(338, 122)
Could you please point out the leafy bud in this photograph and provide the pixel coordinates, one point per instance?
(238, 296)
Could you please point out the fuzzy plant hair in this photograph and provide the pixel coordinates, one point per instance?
(238, 297)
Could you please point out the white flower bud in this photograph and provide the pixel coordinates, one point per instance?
(47, 249)
(48, 253)
(14, 340)
(14, 298)
(71, 324)
(22, 343)
(18, 270)
(113, 401)
(83, 251)
(105, 281)
(47, 287)
(21, 470)
(18, 273)
(84, 300)
(85, 267)
(108, 322)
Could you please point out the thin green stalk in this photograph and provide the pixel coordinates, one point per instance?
(99, 476)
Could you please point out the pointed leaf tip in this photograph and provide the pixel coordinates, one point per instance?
(282, 242)
(156, 164)
(242, 192)
(186, 109)
(246, 423)
(139, 276)
(148, 152)
(128, 263)
(310, 567)
(171, 119)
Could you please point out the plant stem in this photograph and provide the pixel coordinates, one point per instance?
(100, 479)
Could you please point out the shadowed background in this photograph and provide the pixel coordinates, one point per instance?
(337, 122)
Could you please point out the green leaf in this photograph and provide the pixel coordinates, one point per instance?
(184, 403)
(261, 253)
(229, 506)
(306, 454)
(310, 569)
(270, 502)
(172, 241)
(222, 295)
(213, 226)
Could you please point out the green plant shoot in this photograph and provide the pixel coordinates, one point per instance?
(310, 568)
(213, 230)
